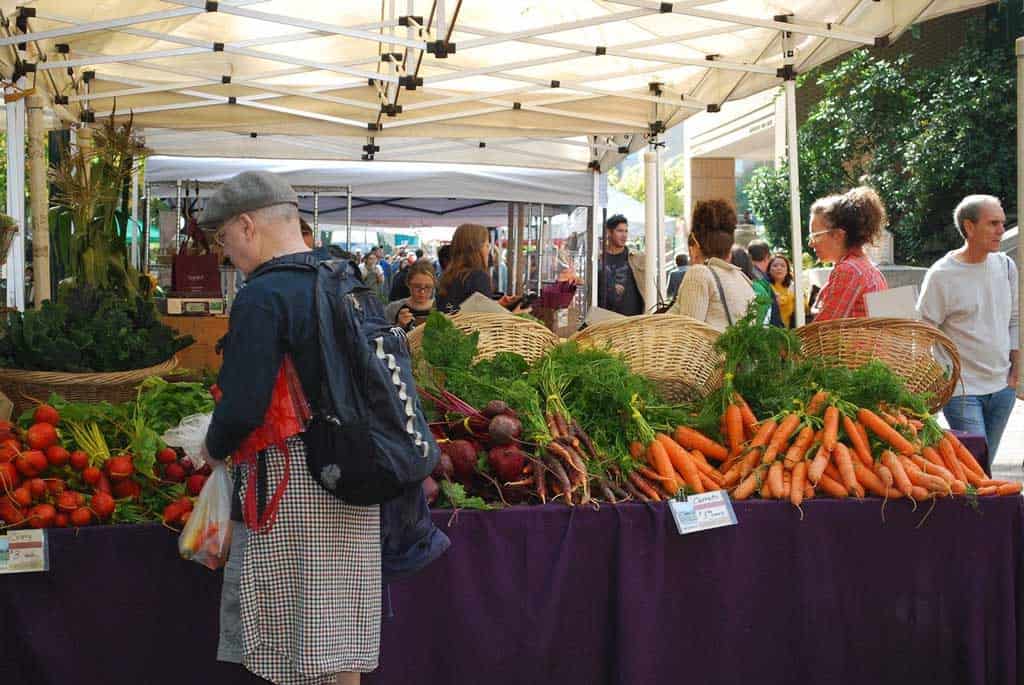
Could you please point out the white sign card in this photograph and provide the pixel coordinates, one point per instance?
(705, 511)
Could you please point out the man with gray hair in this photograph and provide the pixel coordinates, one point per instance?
(971, 295)
(314, 567)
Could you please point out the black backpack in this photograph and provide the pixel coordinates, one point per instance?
(368, 441)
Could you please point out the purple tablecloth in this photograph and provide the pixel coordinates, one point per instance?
(553, 595)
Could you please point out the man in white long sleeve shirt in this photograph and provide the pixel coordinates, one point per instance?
(971, 295)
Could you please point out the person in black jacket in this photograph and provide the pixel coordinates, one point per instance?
(296, 576)
(467, 273)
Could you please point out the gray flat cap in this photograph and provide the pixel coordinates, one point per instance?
(246, 192)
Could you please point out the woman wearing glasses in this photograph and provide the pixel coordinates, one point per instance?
(841, 225)
(411, 311)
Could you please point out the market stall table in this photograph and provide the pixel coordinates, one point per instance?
(550, 594)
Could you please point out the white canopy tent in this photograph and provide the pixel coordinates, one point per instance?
(571, 85)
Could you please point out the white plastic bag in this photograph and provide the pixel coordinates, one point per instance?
(189, 435)
(206, 538)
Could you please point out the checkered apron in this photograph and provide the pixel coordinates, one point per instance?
(310, 589)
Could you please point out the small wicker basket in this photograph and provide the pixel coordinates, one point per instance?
(922, 355)
(677, 353)
(498, 333)
(24, 387)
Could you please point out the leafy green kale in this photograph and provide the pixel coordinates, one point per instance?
(88, 330)
(445, 346)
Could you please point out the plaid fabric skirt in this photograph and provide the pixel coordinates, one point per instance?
(310, 589)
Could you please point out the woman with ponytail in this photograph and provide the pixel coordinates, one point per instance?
(841, 225)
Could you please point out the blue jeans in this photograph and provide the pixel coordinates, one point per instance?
(982, 414)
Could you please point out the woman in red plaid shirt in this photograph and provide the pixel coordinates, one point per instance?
(840, 227)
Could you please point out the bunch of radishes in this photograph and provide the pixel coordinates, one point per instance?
(178, 470)
(32, 489)
(43, 485)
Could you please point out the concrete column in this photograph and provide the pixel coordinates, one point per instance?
(794, 199)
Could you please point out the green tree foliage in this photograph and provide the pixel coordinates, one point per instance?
(923, 138)
(632, 184)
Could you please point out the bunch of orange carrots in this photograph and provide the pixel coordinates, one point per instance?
(827, 447)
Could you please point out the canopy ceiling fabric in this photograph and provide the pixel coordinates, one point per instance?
(394, 193)
(573, 73)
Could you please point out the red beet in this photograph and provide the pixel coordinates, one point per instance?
(37, 486)
(120, 467)
(471, 427)
(126, 488)
(67, 501)
(7, 426)
(9, 477)
(42, 516)
(21, 496)
(103, 504)
(30, 464)
(507, 462)
(504, 429)
(444, 469)
(188, 466)
(55, 486)
(61, 520)
(91, 475)
(185, 503)
(194, 485)
(103, 485)
(174, 473)
(46, 414)
(430, 489)
(206, 470)
(8, 453)
(463, 456)
(167, 456)
(81, 517)
(493, 408)
(57, 455)
(41, 435)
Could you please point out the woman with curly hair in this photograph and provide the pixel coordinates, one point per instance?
(841, 225)
(713, 290)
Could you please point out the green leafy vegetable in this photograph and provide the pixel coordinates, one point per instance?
(445, 346)
(454, 496)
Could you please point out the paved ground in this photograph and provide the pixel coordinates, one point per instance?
(1011, 450)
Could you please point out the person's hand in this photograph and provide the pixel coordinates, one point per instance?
(506, 300)
(404, 317)
(1013, 377)
(619, 289)
(520, 309)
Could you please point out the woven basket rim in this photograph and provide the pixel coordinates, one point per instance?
(837, 326)
(70, 378)
(699, 326)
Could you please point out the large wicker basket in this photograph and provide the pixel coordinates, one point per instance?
(921, 354)
(677, 353)
(498, 333)
(24, 387)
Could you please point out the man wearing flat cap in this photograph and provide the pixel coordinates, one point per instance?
(314, 570)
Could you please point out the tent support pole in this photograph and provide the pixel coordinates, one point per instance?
(16, 200)
(1020, 191)
(348, 220)
(144, 241)
(650, 283)
(595, 249)
(40, 199)
(793, 159)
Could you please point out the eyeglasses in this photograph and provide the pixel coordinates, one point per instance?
(421, 288)
(815, 236)
(218, 237)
